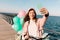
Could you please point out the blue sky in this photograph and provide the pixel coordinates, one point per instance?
(14, 6)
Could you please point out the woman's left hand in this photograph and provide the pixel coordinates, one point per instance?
(44, 11)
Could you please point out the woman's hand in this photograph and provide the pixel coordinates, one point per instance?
(44, 11)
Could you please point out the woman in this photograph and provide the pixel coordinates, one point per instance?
(33, 27)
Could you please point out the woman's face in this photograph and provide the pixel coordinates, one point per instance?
(31, 14)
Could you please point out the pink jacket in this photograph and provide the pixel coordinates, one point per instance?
(33, 29)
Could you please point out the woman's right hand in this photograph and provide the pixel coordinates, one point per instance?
(25, 36)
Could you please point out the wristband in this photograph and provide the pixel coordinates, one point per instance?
(46, 15)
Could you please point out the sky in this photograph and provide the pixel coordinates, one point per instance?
(14, 6)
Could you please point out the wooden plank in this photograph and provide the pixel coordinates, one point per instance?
(6, 31)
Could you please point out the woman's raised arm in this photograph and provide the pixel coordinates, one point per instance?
(45, 13)
(42, 20)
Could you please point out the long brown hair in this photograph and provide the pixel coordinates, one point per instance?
(27, 15)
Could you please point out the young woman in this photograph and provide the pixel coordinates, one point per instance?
(33, 27)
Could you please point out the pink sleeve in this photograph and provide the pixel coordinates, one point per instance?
(25, 27)
(42, 22)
